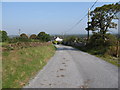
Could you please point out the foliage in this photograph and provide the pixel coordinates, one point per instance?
(98, 40)
(18, 39)
(24, 36)
(20, 65)
(112, 51)
(101, 42)
(3, 36)
(43, 36)
(33, 36)
(102, 18)
(72, 39)
(55, 42)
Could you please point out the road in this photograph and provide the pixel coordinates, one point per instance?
(71, 68)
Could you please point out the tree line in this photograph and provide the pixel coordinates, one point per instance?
(42, 36)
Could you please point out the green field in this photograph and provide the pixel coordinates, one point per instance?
(20, 65)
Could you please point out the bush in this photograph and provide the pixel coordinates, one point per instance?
(33, 36)
(19, 39)
(112, 51)
(111, 40)
(99, 40)
(71, 39)
(55, 42)
(100, 44)
(24, 36)
(43, 37)
(3, 36)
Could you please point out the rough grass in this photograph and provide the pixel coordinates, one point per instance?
(111, 59)
(3, 43)
(21, 65)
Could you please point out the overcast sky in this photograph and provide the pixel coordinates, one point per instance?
(51, 17)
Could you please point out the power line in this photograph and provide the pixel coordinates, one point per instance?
(81, 18)
(75, 24)
(93, 4)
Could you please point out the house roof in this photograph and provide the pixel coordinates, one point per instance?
(58, 39)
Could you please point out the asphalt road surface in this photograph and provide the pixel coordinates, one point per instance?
(71, 68)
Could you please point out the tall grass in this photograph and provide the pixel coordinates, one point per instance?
(21, 65)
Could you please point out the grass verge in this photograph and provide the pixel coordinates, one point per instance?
(20, 65)
(108, 58)
(3, 43)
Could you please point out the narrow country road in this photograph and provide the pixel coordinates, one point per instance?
(71, 68)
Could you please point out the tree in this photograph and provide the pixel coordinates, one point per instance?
(24, 36)
(3, 36)
(33, 36)
(43, 36)
(101, 21)
(96, 40)
(102, 18)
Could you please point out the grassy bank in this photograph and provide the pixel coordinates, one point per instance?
(111, 59)
(21, 65)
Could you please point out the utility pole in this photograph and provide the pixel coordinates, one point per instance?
(88, 22)
(63, 35)
(19, 31)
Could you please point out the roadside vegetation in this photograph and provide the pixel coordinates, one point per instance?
(23, 57)
(20, 65)
(101, 43)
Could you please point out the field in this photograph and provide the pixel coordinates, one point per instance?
(20, 65)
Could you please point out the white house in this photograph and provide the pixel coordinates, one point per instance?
(58, 39)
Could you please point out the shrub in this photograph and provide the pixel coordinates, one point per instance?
(33, 36)
(71, 39)
(19, 39)
(55, 42)
(99, 40)
(43, 37)
(24, 36)
(102, 44)
(3, 36)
